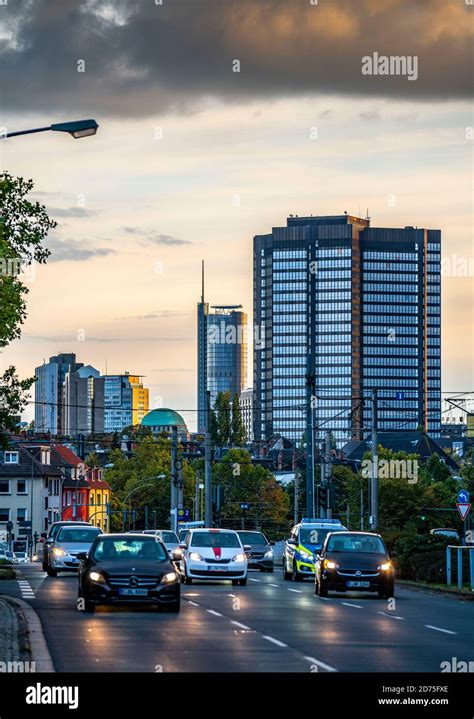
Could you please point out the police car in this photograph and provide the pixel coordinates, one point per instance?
(305, 540)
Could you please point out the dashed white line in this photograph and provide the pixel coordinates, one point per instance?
(326, 667)
(298, 591)
(238, 624)
(272, 585)
(274, 641)
(325, 599)
(251, 579)
(348, 604)
(391, 616)
(211, 611)
(439, 629)
(195, 604)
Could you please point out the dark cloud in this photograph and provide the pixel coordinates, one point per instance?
(154, 238)
(142, 59)
(72, 251)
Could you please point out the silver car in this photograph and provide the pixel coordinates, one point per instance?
(68, 543)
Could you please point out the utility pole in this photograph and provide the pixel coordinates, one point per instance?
(361, 510)
(327, 472)
(208, 464)
(174, 479)
(374, 475)
(196, 499)
(310, 398)
(180, 485)
(297, 490)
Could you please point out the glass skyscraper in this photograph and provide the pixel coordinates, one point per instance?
(360, 308)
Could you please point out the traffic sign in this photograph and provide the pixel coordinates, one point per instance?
(463, 496)
(463, 508)
(184, 515)
(244, 506)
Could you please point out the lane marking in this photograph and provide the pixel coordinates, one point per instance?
(298, 591)
(273, 585)
(26, 589)
(348, 604)
(274, 641)
(318, 663)
(439, 629)
(195, 604)
(325, 599)
(238, 624)
(392, 616)
(251, 579)
(211, 611)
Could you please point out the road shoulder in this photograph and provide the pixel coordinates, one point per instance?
(24, 634)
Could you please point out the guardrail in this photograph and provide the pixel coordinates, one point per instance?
(459, 558)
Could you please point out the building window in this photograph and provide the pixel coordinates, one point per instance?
(21, 514)
(4, 515)
(11, 458)
(4, 486)
(21, 486)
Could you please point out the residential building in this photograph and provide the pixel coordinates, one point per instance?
(126, 401)
(246, 409)
(48, 391)
(356, 308)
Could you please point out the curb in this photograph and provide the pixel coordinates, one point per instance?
(33, 636)
(434, 590)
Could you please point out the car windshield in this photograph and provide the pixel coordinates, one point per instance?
(215, 539)
(116, 549)
(169, 537)
(252, 538)
(77, 535)
(20, 555)
(313, 535)
(365, 544)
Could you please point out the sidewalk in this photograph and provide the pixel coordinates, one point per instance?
(435, 589)
(21, 638)
(9, 633)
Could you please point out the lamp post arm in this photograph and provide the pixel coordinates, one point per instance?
(24, 132)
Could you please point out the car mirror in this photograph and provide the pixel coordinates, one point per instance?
(272, 544)
(182, 545)
(83, 556)
(393, 554)
(291, 541)
(43, 535)
(49, 541)
(247, 547)
(177, 556)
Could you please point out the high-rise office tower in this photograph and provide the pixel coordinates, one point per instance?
(222, 353)
(354, 308)
(48, 391)
(126, 401)
(83, 402)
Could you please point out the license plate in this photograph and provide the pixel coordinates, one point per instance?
(218, 569)
(133, 592)
(358, 585)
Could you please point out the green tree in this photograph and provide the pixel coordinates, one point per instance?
(223, 415)
(23, 227)
(238, 434)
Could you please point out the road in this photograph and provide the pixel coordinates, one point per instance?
(269, 625)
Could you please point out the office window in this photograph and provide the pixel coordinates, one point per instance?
(4, 486)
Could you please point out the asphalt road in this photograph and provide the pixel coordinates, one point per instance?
(269, 625)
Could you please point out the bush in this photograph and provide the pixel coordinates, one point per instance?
(6, 569)
(422, 557)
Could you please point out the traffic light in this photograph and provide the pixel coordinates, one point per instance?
(333, 496)
(322, 495)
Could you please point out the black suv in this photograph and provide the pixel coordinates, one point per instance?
(260, 552)
(354, 561)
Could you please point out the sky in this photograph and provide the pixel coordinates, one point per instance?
(217, 120)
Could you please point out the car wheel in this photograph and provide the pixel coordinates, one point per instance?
(385, 593)
(51, 572)
(270, 570)
(321, 591)
(235, 582)
(296, 576)
(188, 580)
(243, 582)
(286, 575)
(44, 567)
(173, 608)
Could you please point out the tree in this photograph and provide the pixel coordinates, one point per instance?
(237, 432)
(223, 415)
(23, 227)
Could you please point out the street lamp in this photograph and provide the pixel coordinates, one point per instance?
(76, 128)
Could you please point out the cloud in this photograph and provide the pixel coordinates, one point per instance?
(154, 315)
(72, 251)
(71, 212)
(155, 238)
(143, 59)
(70, 338)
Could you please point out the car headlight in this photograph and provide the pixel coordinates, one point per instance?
(385, 567)
(306, 556)
(59, 552)
(96, 577)
(168, 578)
(195, 557)
(239, 558)
(329, 564)
(268, 554)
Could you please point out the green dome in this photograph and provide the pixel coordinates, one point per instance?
(163, 418)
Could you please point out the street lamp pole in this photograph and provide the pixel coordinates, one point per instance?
(76, 128)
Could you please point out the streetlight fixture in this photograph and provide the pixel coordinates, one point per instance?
(75, 128)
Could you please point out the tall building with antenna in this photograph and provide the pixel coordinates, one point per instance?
(222, 352)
